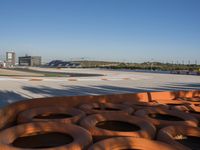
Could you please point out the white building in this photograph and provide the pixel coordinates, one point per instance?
(10, 59)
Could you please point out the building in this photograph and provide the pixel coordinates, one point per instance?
(10, 59)
(63, 64)
(2, 64)
(30, 61)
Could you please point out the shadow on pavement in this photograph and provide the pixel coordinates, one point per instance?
(7, 97)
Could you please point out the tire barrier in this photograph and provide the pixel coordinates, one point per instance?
(165, 117)
(181, 137)
(56, 113)
(175, 97)
(107, 125)
(192, 102)
(9, 113)
(193, 99)
(118, 124)
(142, 105)
(95, 108)
(31, 135)
(193, 110)
(172, 102)
(170, 105)
(119, 143)
(182, 108)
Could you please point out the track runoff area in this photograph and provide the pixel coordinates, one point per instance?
(16, 88)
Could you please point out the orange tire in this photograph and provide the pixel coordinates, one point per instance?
(119, 143)
(191, 109)
(172, 102)
(192, 100)
(51, 113)
(165, 117)
(182, 108)
(194, 110)
(171, 134)
(95, 108)
(81, 138)
(111, 124)
(141, 105)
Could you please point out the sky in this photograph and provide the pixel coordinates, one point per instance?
(114, 30)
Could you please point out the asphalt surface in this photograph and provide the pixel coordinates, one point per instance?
(14, 89)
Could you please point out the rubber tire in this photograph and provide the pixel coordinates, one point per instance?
(118, 143)
(147, 130)
(195, 109)
(188, 119)
(141, 105)
(89, 108)
(167, 135)
(189, 108)
(171, 101)
(182, 108)
(28, 115)
(190, 100)
(81, 137)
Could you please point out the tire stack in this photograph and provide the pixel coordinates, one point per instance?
(46, 128)
(103, 125)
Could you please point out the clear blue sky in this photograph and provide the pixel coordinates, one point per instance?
(131, 30)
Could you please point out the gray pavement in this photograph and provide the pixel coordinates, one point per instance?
(15, 89)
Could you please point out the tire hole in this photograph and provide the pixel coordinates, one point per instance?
(117, 126)
(190, 141)
(42, 140)
(52, 116)
(194, 112)
(175, 104)
(165, 117)
(106, 108)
